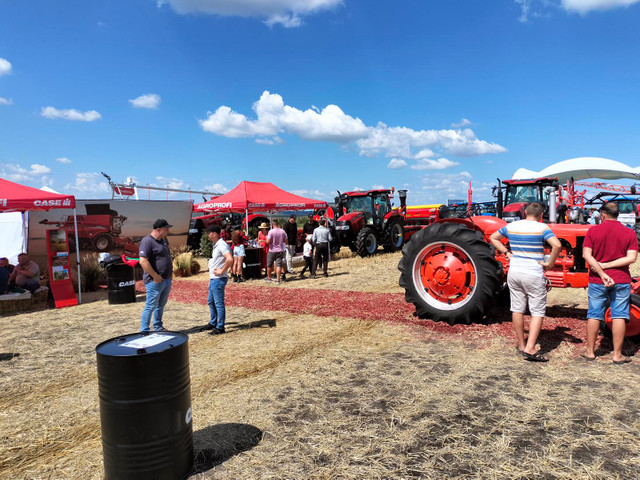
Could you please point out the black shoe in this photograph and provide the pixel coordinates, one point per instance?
(240, 279)
(161, 329)
(208, 326)
(325, 274)
(217, 331)
(313, 276)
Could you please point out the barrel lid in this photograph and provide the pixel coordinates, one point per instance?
(141, 343)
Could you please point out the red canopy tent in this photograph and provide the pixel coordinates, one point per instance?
(20, 198)
(258, 196)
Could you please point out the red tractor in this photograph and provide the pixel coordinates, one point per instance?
(366, 219)
(452, 273)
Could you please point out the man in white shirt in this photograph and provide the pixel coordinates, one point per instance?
(219, 263)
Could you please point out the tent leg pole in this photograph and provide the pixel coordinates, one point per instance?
(75, 225)
(246, 222)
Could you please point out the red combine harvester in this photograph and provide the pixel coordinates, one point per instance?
(100, 228)
(366, 219)
(451, 272)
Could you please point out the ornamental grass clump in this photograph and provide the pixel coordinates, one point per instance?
(92, 273)
(182, 264)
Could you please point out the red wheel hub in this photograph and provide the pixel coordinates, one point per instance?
(447, 273)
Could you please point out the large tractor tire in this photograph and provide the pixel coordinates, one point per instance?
(367, 242)
(633, 327)
(393, 237)
(103, 242)
(450, 273)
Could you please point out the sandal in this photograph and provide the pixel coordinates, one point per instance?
(535, 357)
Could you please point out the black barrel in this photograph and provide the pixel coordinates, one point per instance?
(145, 406)
(121, 284)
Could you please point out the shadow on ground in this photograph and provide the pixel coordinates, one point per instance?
(216, 444)
(8, 356)
(552, 339)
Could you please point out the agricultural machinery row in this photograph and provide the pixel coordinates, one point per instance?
(452, 273)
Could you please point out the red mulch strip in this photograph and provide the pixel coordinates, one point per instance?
(561, 324)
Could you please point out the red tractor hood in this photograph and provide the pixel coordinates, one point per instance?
(349, 217)
(515, 207)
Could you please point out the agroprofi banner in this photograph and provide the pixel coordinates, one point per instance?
(110, 225)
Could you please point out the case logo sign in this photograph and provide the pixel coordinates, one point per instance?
(127, 284)
(52, 203)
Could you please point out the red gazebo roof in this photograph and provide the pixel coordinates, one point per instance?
(19, 198)
(258, 196)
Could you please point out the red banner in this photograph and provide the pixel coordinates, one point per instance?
(128, 191)
(58, 260)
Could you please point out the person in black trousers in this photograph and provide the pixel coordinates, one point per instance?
(320, 239)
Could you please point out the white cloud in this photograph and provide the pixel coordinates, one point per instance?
(465, 122)
(37, 169)
(6, 101)
(270, 141)
(331, 124)
(288, 13)
(63, 160)
(35, 175)
(542, 8)
(89, 183)
(397, 163)
(274, 117)
(378, 187)
(70, 114)
(430, 164)
(584, 6)
(315, 194)
(215, 188)
(425, 153)
(173, 182)
(5, 67)
(148, 100)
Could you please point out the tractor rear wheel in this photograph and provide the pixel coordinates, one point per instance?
(633, 327)
(449, 273)
(367, 242)
(393, 237)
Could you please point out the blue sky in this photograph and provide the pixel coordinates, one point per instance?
(313, 95)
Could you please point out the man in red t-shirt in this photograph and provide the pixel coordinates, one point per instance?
(609, 249)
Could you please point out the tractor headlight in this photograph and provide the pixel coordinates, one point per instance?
(342, 227)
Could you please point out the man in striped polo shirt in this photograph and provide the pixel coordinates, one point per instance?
(526, 281)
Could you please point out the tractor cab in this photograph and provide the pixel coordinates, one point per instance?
(519, 193)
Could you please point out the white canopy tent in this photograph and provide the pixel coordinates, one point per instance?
(582, 168)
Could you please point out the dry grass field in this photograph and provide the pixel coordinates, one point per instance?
(315, 393)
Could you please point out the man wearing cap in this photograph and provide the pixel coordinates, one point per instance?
(291, 229)
(155, 260)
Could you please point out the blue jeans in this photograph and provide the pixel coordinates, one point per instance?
(157, 296)
(216, 301)
(601, 297)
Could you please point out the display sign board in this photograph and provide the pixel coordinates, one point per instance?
(128, 191)
(58, 262)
